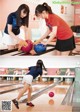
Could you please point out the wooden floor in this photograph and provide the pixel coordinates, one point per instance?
(43, 103)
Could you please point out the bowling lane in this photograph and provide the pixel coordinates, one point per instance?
(48, 50)
(46, 104)
(13, 82)
(10, 54)
(7, 83)
(17, 53)
(13, 86)
(42, 102)
(13, 94)
(8, 88)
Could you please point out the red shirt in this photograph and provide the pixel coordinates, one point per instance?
(63, 30)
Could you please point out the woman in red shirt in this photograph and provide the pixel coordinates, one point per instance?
(58, 28)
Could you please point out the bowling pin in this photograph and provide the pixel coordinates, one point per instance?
(0, 78)
(9, 78)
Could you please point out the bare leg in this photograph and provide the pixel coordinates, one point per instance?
(15, 101)
(57, 53)
(25, 88)
(29, 94)
(10, 47)
(66, 53)
(77, 49)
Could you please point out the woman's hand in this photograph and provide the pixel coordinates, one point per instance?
(44, 43)
(22, 43)
(37, 42)
(45, 72)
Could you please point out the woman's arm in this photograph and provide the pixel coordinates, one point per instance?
(21, 41)
(11, 33)
(26, 31)
(52, 35)
(44, 36)
(27, 69)
(40, 78)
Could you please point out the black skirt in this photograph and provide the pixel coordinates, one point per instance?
(65, 45)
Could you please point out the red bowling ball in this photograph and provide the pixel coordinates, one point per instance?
(27, 48)
(51, 94)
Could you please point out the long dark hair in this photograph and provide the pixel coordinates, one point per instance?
(25, 20)
(40, 64)
(43, 7)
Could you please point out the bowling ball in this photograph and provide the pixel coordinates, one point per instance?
(51, 94)
(27, 48)
(39, 48)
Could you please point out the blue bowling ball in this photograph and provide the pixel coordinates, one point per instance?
(39, 48)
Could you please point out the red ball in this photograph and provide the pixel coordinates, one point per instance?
(27, 48)
(51, 94)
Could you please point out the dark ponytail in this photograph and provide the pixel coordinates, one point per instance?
(47, 7)
(43, 7)
(44, 68)
(40, 64)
